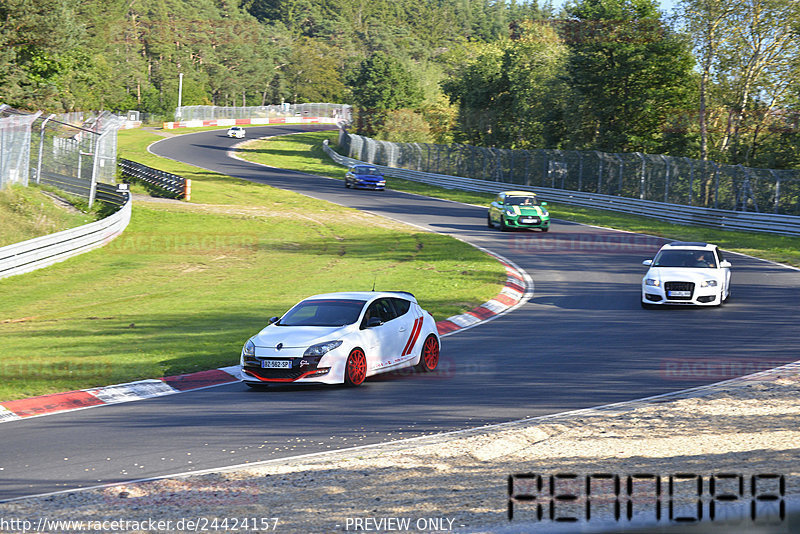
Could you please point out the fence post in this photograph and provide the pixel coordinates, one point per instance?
(641, 178)
(777, 190)
(95, 170)
(666, 176)
(41, 149)
(599, 173)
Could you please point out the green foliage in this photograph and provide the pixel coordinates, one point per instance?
(382, 84)
(34, 38)
(629, 74)
(510, 93)
(28, 212)
(310, 61)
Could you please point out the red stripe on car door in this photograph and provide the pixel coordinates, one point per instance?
(412, 339)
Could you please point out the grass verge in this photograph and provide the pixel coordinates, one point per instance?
(29, 212)
(188, 283)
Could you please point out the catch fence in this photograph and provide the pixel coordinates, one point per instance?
(658, 178)
(73, 152)
(334, 111)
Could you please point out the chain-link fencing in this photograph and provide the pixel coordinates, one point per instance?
(72, 151)
(335, 111)
(15, 146)
(675, 180)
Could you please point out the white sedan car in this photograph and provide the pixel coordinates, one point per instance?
(236, 131)
(342, 338)
(687, 273)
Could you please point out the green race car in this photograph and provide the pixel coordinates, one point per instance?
(518, 209)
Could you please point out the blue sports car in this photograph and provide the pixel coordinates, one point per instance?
(364, 177)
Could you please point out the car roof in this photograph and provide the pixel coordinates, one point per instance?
(523, 193)
(690, 244)
(364, 295)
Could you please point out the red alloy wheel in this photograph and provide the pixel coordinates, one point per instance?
(430, 354)
(356, 370)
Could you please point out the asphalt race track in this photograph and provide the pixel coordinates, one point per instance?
(581, 341)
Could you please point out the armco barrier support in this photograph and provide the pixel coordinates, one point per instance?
(172, 184)
(46, 250)
(676, 213)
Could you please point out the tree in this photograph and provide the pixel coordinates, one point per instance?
(510, 93)
(749, 51)
(382, 84)
(708, 23)
(35, 38)
(312, 72)
(629, 72)
(476, 86)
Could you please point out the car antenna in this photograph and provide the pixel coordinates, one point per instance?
(373, 282)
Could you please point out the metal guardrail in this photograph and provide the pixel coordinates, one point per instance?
(42, 251)
(171, 184)
(676, 213)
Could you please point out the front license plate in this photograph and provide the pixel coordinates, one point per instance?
(679, 293)
(529, 221)
(276, 364)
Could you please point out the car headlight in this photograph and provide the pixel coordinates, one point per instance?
(321, 348)
(652, 282)
(249, 349)
(708, 283)
(511, 213)
(545, 213)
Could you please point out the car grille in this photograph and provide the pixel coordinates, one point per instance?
(679, 286)
(278, 374)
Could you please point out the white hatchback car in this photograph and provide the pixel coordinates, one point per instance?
(342, 338)
(236, 131)
(687, 273)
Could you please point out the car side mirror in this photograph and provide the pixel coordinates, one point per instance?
(374, 321)
(647, 262)
(273, 320)
(544, 203)
(724, 264)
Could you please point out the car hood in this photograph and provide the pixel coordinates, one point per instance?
(369, 176)
(297, 336)
(683, 274)
(529, 210)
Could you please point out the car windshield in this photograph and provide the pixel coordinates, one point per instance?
(685, 258)
(323, 312)
(522, 201)
(366, 170)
